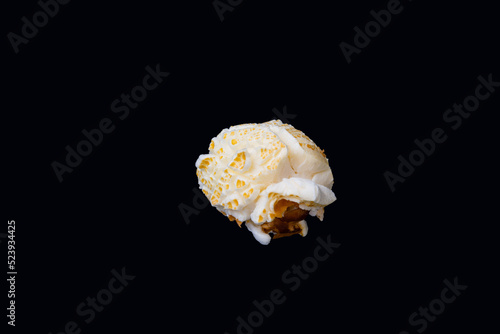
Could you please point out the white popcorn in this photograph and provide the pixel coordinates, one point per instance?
(265, 175)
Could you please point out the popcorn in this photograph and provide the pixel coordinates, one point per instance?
(268, 175)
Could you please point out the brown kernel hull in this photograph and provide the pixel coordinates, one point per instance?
(289, 222)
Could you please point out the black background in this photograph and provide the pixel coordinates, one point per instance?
(119, 207)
